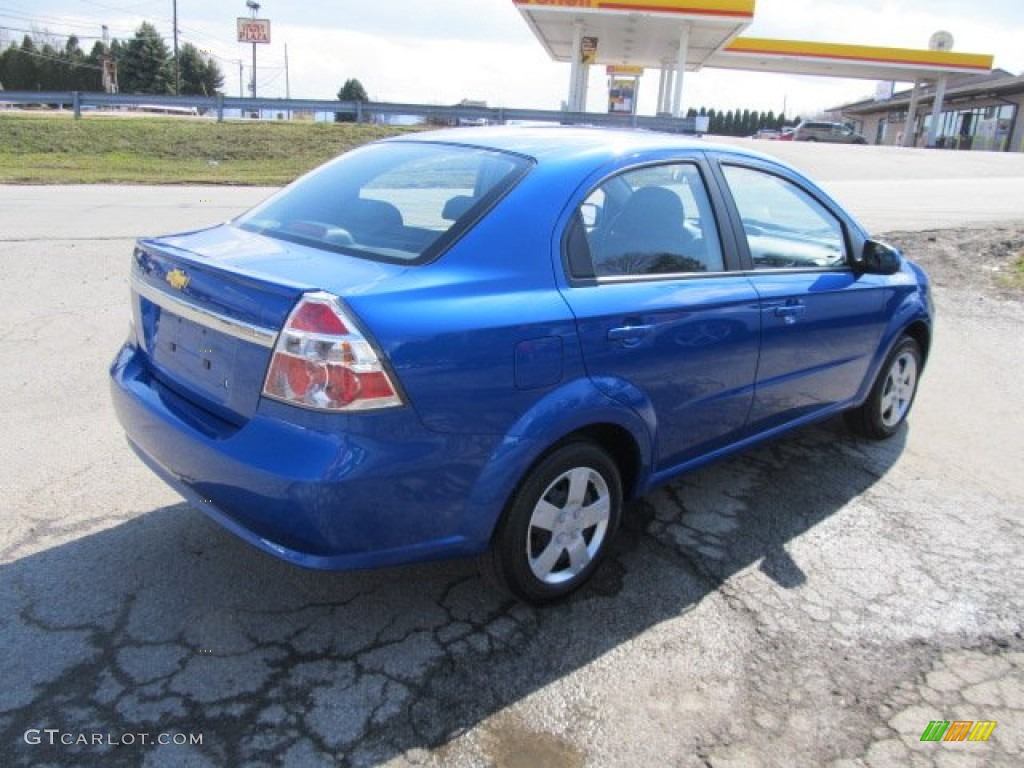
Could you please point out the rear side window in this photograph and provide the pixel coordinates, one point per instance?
(654, 220)
(785, 227)
(392, 201)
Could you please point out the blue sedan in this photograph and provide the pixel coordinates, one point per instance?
(484, 341)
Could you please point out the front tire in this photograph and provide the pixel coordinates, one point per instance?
(892, 394)
(558, 526)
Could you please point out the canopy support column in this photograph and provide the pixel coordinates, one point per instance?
(940, 94)
(909, 132)
(575, 65)
(677, 93)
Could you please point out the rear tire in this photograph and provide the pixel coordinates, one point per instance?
(558, 526)
(892, 394)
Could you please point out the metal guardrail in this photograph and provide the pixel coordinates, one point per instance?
(360, 111)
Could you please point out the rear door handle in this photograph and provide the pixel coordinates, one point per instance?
(629, 335)
(790, 312)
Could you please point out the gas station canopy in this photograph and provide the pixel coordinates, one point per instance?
(855, 61)
(641, 33)
(674, 36)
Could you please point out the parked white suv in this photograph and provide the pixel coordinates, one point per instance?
(836, 133)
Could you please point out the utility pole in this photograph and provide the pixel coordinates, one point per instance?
(177, 66)
(109, 64)
(287, 82)
(241, 91)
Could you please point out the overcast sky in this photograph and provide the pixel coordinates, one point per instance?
(442, 51)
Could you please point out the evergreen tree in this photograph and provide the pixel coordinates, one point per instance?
(20, 71)
(352, 90)
(145, 65)
(51, 69)
(743, 122)
(90, 78)
(79, 73)
(200, 75)
(44, 65)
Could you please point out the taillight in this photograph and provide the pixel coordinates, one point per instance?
(321, 360)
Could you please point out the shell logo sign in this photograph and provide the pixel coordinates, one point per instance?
(737, 8)
(563, 3)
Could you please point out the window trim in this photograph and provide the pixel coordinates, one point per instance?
(731, 258)
(742, 244)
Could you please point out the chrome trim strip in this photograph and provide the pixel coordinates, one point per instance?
(256, 334)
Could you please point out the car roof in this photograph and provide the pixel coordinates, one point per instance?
(565, 143)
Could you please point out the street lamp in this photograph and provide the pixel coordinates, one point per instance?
(255, 8)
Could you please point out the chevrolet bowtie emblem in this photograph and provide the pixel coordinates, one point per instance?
(177, 278)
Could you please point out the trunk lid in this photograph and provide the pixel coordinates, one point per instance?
(208, 306)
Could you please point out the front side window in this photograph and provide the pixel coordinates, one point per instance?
(785, 227)
(654, 220)
(393, 201)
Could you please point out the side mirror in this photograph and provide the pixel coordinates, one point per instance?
(878, 258)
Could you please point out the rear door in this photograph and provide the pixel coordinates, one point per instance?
(820, 320)
(663, 323)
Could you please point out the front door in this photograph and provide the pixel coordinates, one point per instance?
(820, 321)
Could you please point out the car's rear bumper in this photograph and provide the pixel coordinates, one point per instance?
(376, 489)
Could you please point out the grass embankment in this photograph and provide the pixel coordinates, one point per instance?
(57, 149)
(1015, 278)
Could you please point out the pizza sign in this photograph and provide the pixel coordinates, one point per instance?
(253, 30)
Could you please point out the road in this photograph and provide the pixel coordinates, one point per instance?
(815, 602)
(893, 188)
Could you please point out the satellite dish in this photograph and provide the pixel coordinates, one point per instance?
(941, 41)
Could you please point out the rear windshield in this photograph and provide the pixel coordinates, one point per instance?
(393, 201)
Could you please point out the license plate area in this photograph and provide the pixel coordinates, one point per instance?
(199, 355)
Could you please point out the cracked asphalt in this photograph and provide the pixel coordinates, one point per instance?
(816, 602)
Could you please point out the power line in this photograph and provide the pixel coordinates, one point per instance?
(200, 39)
(264, 81)
(226, 60)
(47, 33)
(15, 13)
(268, 81)
(44, 26)
(267, 73)
(122, 8)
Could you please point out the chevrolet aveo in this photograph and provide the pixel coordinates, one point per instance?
(485, 341)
